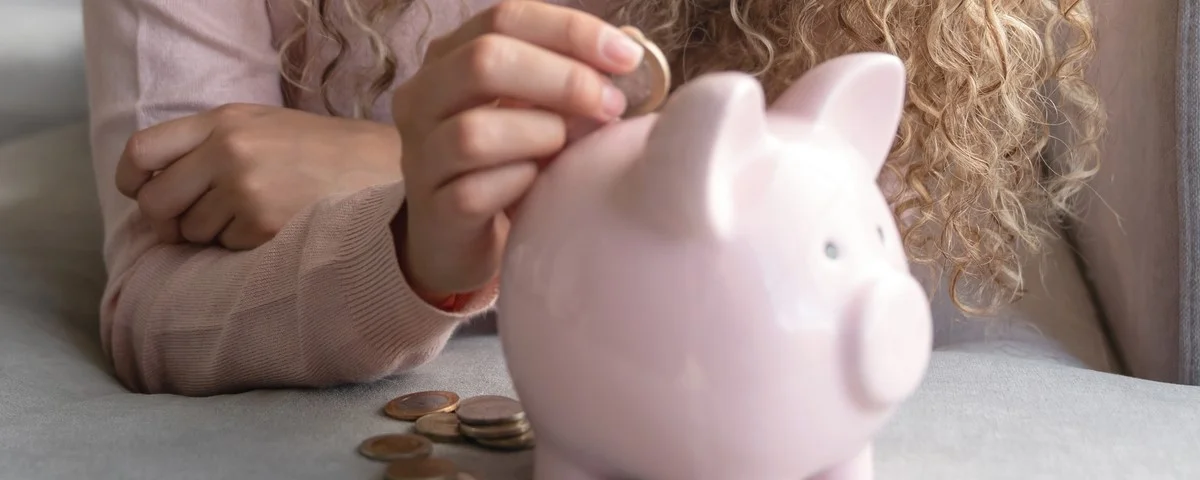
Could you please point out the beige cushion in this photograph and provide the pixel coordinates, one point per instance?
(1129, 236)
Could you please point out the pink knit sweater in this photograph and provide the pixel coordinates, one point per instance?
(323, 303)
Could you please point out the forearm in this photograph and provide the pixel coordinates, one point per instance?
(323, 303)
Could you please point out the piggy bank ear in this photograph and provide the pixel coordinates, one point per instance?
(684, 183)
(861, 96)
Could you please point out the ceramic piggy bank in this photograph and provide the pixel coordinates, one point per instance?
(718, 291)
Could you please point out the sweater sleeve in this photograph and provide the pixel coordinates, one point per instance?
(323, 303)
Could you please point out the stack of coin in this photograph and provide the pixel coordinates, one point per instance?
(491, 421)
(495, 422)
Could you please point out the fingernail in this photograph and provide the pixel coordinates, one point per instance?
(613, 102)
(620, 49)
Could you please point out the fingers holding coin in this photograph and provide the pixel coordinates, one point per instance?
(567, 31)
(551, 56)
(504, 67)
(646, 87)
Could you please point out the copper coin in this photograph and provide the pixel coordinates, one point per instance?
(422, 469)
(520, 442)
(489, 410)
(503, 430)
(442, 427)
(646, 87)
(387, 448)
(416, 405)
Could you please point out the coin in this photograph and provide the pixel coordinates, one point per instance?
(391, 447)
(442, 427)
(489, 410)
(647, 86)
(422, 469)
(520, 442)
(503, 430)
(416, 405)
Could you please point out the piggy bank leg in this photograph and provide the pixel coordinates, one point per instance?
(548, 464)
(861, 467)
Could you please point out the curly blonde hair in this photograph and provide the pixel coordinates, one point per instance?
(987, 79)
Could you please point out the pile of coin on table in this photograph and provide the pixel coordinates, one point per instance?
(490, 421)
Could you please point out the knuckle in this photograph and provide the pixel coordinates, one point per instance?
(506, 15)
(485, 56)
(238, 145)
(135, 149)
(231, 111)
(470, 135)
(249, 190)
(581, 88)
(580, 33)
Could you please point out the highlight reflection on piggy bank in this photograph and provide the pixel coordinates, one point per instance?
(719, 291)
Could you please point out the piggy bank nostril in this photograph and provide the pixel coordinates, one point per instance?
(879, 230)
(831, 250)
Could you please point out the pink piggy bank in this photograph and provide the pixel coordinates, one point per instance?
(718, 291)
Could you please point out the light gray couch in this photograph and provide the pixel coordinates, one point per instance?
(982, 413)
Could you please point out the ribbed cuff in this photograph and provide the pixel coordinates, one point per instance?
(384, 309)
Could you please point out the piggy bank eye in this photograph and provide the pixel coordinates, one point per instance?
(831, 250)
(879, 230)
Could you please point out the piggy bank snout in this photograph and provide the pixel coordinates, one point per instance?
(893, 339)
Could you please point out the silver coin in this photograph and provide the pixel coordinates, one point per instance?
(489, 410)
(646, 87)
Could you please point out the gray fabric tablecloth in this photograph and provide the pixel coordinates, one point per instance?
(978, 416)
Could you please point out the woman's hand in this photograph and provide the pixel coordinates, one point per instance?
(236, 174)
(469, 154)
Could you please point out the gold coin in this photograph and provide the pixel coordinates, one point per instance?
(422, 469)
(646, 87)
(489, 410)
(416, 405)
(520, 442)
(503, 430)
(391, 447)
(442, 427)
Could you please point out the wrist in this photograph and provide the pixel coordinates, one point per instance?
(379, 141)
